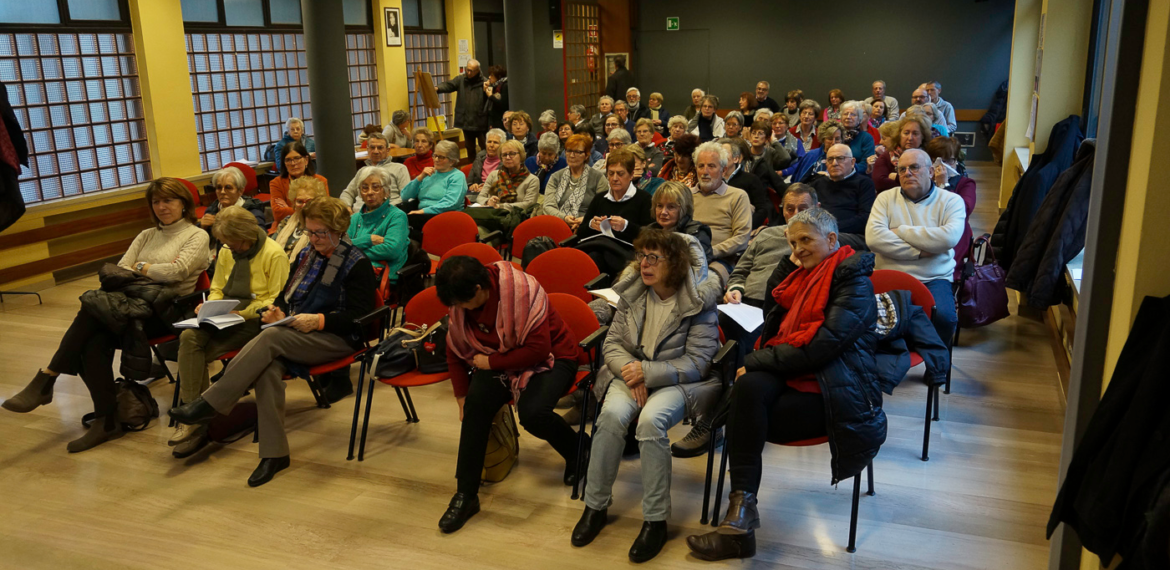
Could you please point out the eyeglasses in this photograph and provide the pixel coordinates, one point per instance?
(442, 156)
(319, 234)
(838, 158)
(365, 188)
(651, 259)
(912, 168)
(293, 159)
(512, 154)
(575, 152)
(224, 188)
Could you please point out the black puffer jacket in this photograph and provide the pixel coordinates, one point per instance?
(912, 331)
(123, 304)
(841, 354)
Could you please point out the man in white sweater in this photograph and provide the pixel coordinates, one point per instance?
(914, 229)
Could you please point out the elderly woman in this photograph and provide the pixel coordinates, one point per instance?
(707, 125)
(623, 211)
(616, 140)
(397, 132)
(659, 116)
(644, 133)
(761, 114)
(424, 147)
(877, 117)
(548, 159)
(813, 375)
(505, 343)
(162, 262)
(644, 179)
(294, 131)
(330, 286)
(829, 133)
(229, 189)
(855, 134)
(791, 110)
(833, 111)
(380, 230)
(290, 232)
(437, 189)
(487, 160)
(950, 175)
(564, 131)
(296, 163)
(520, 128)
(733, 124)
(510, 187)
(612, 123)
(251, 270)
(570, 190)
(548, 121)
(496, 90)
(676, 128)
(781, 138)
(762, 152)
(674, 211)
(622, 111)
(805, 131)
(657, 365)
(696, 102)
(681, 166)
(604, 109)
(913, 131)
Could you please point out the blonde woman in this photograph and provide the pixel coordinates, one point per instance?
(290, 232)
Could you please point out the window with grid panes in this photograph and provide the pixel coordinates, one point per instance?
(427, 52)
(77, 97)
(363, 82)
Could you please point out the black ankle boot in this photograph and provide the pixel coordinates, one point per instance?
(461, 508)
(268, 469)
(649, 542)
(195, 413)
(589, 526)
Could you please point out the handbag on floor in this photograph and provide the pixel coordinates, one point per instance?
(136, 406)
(982, 294)
(503, 448)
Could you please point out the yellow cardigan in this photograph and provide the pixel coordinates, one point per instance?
(269, 273)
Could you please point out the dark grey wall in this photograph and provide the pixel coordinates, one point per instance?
(550, 76)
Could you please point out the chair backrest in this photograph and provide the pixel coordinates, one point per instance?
(580, 318)
(807, 442)
(485, 253)
(466, 169)
(886, 280)
(448, 230)
(425, 308)
(249, 176)
(550, 226)
(203, 282)
(194, 190)
(564, 270)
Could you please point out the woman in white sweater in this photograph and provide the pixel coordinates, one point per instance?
(173, 252)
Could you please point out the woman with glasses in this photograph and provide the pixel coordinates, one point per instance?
(856, 134)
(229, 189)
(437, 189)
(290, 232)
(380, 230)
(707, 125)
(657, 365)
(511, 186)
(571, 190)
(913, 132)
(330, 286)
(296, 163)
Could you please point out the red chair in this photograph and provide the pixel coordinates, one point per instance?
(202, 284)
(199, 207)
(422, 310)
(566, 270)
(886, 280)
(466, 169)
(550, 226)
(445, 231)
(485, 253)
(589, 335)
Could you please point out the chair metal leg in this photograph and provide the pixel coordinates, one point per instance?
(357, 403)
(719, 485)
(579, 485)
(410, 402)
(174, 404)
(853, 519)
(926, 431)
(401, 400)
(869, 473)
(936, 406)
(704, 518)
(366, 420)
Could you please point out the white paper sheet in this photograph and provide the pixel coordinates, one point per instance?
(747, 316)
(281, 322)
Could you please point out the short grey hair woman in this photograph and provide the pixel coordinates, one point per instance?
(383, 175)
(549, 142)
(397, 132)
(733, 124)
(231, 175)
(604, 109)
(448, 149)
(548, 116)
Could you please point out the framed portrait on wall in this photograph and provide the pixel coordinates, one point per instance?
(393, 21)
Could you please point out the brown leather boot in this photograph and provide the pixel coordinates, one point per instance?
(99, 433)
(38, 393)
(736, 536)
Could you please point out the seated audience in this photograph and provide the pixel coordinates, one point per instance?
(782, 140)
(914, 228)
(576, 116)
(571, 190)
(437, 189)
(681, 166)
(844, 192)
(733, 124)
(163, 261)
(496, 90)
(564, 131)
(659, 116)
(379, 152)
(726, 210)
(604, 110)
(397, 133)
(696, 101)
(877, 114)
(511, 186)
(813, 161)
(623, 208)
(812, 376)
(772, 157)
(833, 111)
(520, 128)
(913, 132)
(707, 125)
(251, 269)
(548, 159)
(229, 188)
(791, 109)
(747, 107)
(638, 111)
(622, 111)
(657, 363)
(644, 178)
(674, 211)
(487, 160)
(380, 229)
(548, 122)
(290, 232)
(676, 128)
(331, 285)
(294, 132)
(763, 101)
(424, 149)
(617, 139)
(738, 175)
(612, 123)
(950, 175)
(526, 355)
(889, 104)
(296, 163)
(855, 133)
(644, 133)
(805, 131)
(945, 109)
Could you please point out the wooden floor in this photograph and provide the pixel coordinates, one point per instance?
(980, 502)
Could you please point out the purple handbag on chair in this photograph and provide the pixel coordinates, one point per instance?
(982, 294)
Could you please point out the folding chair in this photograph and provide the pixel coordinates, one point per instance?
(548, 226)
(566, 270)
(485, 253)
(445, 231)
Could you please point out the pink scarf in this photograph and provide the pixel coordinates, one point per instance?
(523, 306)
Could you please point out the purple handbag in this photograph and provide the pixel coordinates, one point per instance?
(982, 295)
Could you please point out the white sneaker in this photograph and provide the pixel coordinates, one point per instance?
(182, 433)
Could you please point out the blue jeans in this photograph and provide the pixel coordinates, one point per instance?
(945, 318)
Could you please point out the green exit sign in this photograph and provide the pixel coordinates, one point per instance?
(672, 24)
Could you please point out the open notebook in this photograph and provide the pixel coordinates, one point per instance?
(214, 313)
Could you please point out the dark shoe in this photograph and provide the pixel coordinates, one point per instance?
(723, 544)
(742, 513)
(197, 412)
(338, 389)
(98, 434)
(697, 440)
(571, 470)
(38, 393)
(589, 526)
(267, 469)
(192, 445)
(649, 542)
(462, 508)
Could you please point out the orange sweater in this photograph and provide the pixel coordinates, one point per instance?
(278, 188)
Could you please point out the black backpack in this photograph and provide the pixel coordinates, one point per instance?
(535, 247)
(136, 406)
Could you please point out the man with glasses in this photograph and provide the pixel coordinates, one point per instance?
(844, 193)
(914, 229)
(379, 151)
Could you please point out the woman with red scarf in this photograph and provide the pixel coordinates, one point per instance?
(505, 344)
(812, 376)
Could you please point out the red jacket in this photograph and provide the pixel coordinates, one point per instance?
(552, 335)
(416, 163)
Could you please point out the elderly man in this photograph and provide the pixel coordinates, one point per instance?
(636, 109)
(879, 94)
(844, 193)
(379, 155)
(620, 80)
(622, 110)
(696, 99)
(726, 210)
(739, 177)
(763, 101)
(934, 91)
(914, 229)
(576, 116)
(471, 112)
(920, 98)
